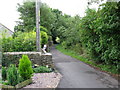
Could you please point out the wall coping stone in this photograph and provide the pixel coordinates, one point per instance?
(17, 53)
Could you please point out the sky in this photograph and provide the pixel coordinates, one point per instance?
(70, 7)
(9, 14)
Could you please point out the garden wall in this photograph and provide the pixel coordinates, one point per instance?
(36, 58)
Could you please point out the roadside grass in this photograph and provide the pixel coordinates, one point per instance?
(105, 68)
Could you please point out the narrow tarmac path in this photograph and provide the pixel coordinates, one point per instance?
(77, 74)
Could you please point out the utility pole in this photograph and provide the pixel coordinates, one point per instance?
(38, 46)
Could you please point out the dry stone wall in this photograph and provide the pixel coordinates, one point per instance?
(36, 58)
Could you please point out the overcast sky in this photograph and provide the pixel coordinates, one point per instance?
(9, 14)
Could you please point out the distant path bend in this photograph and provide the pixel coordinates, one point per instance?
(77, 74)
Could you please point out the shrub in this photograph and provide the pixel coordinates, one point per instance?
(100, 34)
(100, 38)
(20, 79)
(44, 38)
(4, 73)
(43, 29)
(25, 67)
(7, 44)
(23, 42)
(12, 75)
(41, 69)
(64, 45)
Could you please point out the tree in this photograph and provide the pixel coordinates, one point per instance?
(27, 17)
(46, 17)
(100, 33)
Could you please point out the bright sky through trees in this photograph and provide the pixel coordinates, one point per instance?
(9, 12)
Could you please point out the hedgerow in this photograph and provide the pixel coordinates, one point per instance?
(23, 42)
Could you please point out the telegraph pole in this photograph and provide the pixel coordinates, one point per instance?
(38, 46)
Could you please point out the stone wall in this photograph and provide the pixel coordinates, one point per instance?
(35, 57)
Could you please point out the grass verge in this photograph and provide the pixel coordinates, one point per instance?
(105, 68)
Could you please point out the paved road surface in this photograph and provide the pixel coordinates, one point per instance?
(77, 74)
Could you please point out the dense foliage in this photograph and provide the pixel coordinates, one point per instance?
(100, 33)
(4, 73)
(44, 38)
(51, 19)
(27, 17)
(41, 69)
(97, 34)
(23, 42)
(25, 67)
(12, 75)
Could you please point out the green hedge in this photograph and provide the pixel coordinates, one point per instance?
(97, 35)
(100, 33)
(23, 42)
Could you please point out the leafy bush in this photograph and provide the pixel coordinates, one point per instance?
(12, 75)
(44, 38)
(23, 42)
(20, 79)
(7, 44)
(100, 34)
(25, 67)
(4, 73)
(42, 29)
(41, 69)
(64, 44)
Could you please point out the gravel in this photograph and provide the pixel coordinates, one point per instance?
(45, 80)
